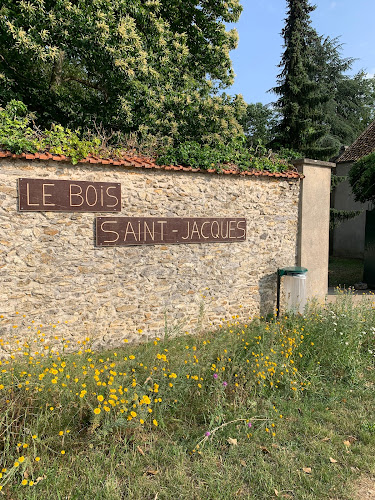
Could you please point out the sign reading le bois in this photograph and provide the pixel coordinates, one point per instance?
(124, 231)
(49, 195)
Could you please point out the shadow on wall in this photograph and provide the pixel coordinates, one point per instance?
(267, 294)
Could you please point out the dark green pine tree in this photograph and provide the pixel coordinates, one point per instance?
(301, 99)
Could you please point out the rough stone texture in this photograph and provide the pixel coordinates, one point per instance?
(52, 272)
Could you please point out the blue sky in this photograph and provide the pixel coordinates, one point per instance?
(260, 45)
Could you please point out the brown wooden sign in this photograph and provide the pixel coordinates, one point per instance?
(124, 231)
(48, 195)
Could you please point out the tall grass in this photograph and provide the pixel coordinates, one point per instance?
(203, 393)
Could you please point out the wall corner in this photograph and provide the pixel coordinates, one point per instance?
(313, 224)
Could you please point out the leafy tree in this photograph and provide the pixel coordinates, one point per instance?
(351, 109)
(362, 179)
(351, 102)
(146, 66)
(208, 41)
(259, 123)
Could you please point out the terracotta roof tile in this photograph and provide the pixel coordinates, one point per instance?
(364, 145)
(139, 162)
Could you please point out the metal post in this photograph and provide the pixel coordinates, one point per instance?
(278, 294)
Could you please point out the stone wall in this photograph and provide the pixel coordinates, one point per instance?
(51, 270)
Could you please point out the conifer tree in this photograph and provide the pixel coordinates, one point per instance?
(301, 100)
(321, 107)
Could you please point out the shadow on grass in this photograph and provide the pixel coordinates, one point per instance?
(344, 272)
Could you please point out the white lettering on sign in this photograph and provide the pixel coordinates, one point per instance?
(68, 196)
(152, 231)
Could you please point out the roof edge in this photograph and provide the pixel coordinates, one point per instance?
(313, 163)
(146, 163)
(362, 146)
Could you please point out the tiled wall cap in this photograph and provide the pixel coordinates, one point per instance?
(139, 162)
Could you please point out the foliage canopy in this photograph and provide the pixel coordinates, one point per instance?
(259, 123)
(362, 179)
(350, 106)
(149, 67)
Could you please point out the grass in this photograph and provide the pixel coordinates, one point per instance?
(271, 409)
(344, 272)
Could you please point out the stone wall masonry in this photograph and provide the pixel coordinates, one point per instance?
(51, 270)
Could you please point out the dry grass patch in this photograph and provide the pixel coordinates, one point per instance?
(364, 488)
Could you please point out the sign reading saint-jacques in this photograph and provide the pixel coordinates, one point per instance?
(49, 195)
(124, 231)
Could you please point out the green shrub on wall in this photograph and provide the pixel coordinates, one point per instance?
(18, 134)
(219, 155)
(15, 132)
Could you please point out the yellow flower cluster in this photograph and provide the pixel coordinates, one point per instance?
(273, 362)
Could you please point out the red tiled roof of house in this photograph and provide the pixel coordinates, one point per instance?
(143, 162)
(364, 145)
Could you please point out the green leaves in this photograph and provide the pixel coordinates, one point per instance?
(17, 136)
(128, 65)
(218, 156)
(64, 141)
(15, 133)
(362, 179)
(259, 123)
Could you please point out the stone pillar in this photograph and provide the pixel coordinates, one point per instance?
(313, 230)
